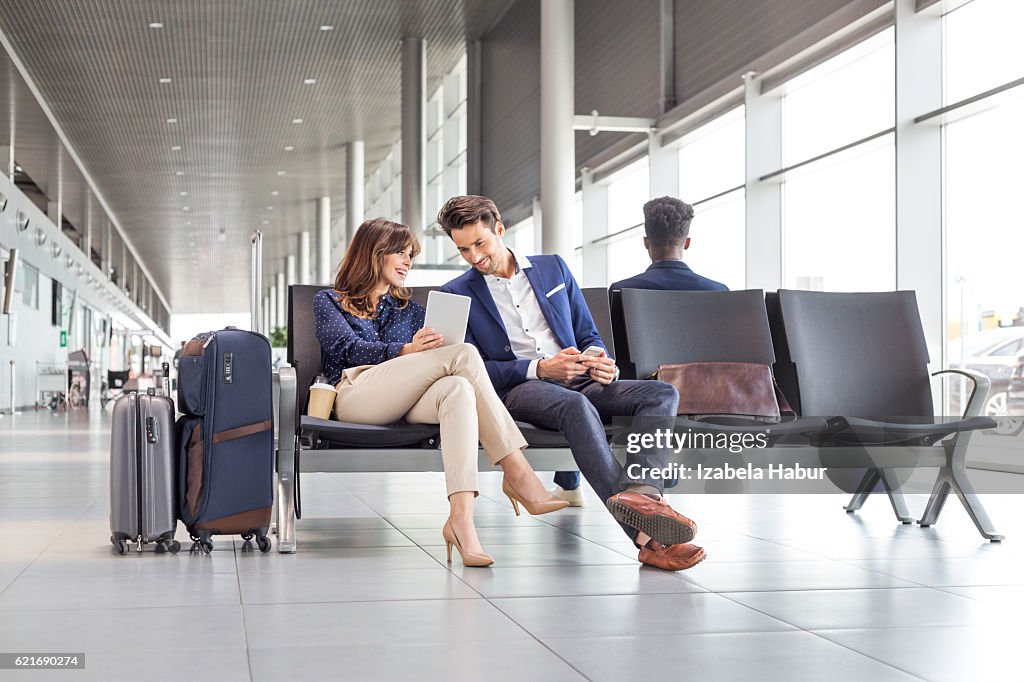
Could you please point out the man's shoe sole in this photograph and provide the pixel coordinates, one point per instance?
(664, 529)
(702, 557)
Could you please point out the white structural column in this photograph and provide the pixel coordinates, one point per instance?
(919, 262)
(105, 248)
(414, 133)
(664, 165)
(289, 270)
(557, 139)
(355, 188)
(87, 237)
(282, 300)
(272, 307)
(303, 273)
(764, 197)
(266, 314)
(323, 240)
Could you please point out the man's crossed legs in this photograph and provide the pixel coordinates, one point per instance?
(579, 411)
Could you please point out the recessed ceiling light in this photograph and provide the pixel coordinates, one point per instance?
(326, 27)
(309, 81)
(188, 222)
(172, 120)
(176, 148)
(280, 172)
(289, 148)
(185, 208)
(270, 208)
(266, 222)
(274, 193)
(296, 120)
(155, 24)
(179, 173)
(165, 80)
(182, 194)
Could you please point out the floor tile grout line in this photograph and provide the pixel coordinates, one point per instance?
(826, 639)
(241, 606)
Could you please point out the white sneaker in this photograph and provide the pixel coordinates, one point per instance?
(573, 497)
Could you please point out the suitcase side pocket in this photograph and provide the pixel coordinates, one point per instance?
(191, 466)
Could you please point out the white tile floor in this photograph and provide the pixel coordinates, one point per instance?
(793, 589)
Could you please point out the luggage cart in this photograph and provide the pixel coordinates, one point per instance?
(51, 385)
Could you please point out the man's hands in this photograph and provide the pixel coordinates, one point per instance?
(425, 339)
(602, 368)
(570, 363)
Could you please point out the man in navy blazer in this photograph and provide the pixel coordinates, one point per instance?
(667, 236)
(549, 365)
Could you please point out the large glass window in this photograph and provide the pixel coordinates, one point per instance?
(839, 218)
(845, 99)
(982, 47)
(717, 239)
(711, 161)
(628, 191)
(711, 158)
(984, 233)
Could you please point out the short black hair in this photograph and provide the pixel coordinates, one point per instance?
(667, 221)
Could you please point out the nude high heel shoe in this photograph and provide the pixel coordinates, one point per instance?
(535, 508)
(468, 558)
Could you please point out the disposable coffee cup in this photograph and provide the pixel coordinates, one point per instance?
(321, 400)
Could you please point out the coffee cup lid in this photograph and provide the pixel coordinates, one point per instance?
(326, 387)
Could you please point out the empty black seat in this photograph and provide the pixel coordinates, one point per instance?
(676, 327)
(863, 357)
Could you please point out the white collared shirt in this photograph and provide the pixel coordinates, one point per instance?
(528, 332)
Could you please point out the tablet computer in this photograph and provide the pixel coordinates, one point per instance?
(448, 314)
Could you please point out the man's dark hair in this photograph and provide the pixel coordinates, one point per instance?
(458, 212)
(667, 221)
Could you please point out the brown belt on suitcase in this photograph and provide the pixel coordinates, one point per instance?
(243, 431)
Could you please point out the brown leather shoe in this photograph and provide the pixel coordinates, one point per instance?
(671, 557)
(652, 517)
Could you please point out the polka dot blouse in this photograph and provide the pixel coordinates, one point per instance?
(349, 341)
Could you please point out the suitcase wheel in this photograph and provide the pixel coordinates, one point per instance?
(205, 546)
(264, 543)
(120, 546)
(171, 546)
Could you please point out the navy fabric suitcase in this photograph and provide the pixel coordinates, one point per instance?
(226, 437)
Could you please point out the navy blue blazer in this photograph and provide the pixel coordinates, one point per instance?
(561, 302)
(670, 275)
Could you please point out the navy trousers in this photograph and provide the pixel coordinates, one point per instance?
(579, 411)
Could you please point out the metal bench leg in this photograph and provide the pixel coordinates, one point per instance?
(286, 503)
(892, 488)
(867, 484)
(936, 501)
(953, 477)
(286, 451)
(963, 489)
(896, 499)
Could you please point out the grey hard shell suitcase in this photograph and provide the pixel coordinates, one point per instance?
(143, 471)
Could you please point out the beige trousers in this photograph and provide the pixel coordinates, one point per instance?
(447, 386)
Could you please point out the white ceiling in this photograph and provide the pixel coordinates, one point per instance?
(236, 70)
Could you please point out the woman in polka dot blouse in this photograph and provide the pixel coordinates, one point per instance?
(388, 367)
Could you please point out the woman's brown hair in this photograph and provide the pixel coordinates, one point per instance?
(361, 267)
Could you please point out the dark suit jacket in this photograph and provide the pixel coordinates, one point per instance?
(561, 302)
(671, 275)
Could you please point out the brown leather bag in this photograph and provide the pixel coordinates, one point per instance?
(726, 389)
